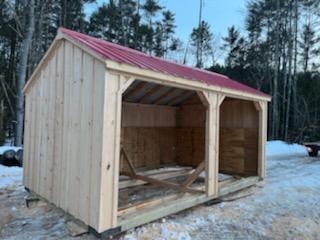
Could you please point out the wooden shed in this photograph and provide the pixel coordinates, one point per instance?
(118, 138)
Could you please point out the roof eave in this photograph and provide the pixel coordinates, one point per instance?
(145, 74)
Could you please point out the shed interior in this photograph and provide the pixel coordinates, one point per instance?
(163, 144)
(162, 141)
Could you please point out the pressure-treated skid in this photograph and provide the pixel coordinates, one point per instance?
(117, 138)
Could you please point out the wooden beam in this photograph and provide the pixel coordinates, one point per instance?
(159, 176)
(203, 98)
(134, 90)
(127, 84)
(145, 98)
(130, 164)
(173, 100)
(148, 203)
(194, 175)
(163, 96)
(162, 183)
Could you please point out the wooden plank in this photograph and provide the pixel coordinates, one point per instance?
(160, 176)
(162, 183)
(51, 126)
(149, 214)
(159, 99)
(211, 145)
(194, 175)
(44, 133)
(27, 139)
(132, 92)
(110, 161)
(75, 122)
(131, 167)
(176, 98)
(86, 89)
(58, 145)
(237, 185)
(98, 95)
(68, 101)
(154, 90)
(263, 119)
(38, 119)
(147, 204)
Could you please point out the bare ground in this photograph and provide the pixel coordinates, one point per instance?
(285, 206)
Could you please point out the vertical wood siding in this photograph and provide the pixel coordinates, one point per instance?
(63, 132)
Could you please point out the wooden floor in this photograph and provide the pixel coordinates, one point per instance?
(140, 203)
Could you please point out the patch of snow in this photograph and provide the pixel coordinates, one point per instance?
(184, 236)
(6, 148)
(10, 176)
(129, 237)
(280, 148)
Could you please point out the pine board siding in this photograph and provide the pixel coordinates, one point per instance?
(63, 136)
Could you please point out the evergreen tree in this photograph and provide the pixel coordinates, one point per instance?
(151, 8)
(106, 22)
(201, 39)
(307, 45)
(235, 46)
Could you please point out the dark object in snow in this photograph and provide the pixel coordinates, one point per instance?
(108, 234)
(31, 201)
(12, 158)
(312, 148)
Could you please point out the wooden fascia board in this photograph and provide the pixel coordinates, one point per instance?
(149, 75)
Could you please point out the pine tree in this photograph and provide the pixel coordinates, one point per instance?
(201, 39)
(307, 45)
(151, 8)
(235, 47)
(106, 22)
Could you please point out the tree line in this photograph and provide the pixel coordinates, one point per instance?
(278, 52)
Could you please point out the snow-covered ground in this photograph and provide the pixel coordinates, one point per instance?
(280, 148)
(284, 206)
(10, 177)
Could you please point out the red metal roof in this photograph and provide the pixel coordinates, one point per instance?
(120, 54)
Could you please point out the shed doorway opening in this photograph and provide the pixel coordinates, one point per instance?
(162, 152)
(238, 142)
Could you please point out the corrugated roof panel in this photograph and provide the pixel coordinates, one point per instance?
(135, 58)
